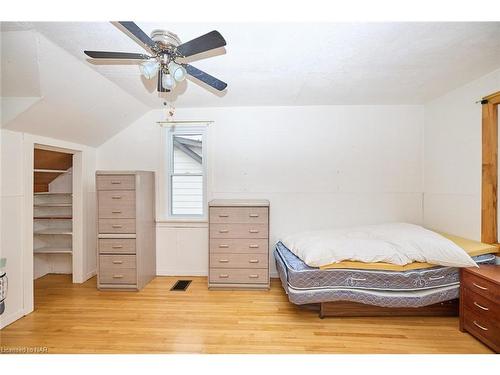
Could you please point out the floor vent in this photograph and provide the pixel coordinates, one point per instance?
(181, 285)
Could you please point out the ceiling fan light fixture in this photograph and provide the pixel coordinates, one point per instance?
(177, 71)
(163, 47)
(149, 68)
(168, 81)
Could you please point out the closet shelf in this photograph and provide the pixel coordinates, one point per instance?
(52, 212)
(53, 250)
(52, 205)
(50, 171)
(54, 231)
(50, 193)
(53, 217)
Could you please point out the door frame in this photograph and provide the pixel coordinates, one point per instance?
(489, 172)
(78, 270)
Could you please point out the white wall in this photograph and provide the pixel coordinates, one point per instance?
(452, 152)
(17, 227)
(12, 203)
(320, 166)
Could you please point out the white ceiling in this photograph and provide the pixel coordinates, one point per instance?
(47, 91)
(20, 65)
(307, 64)
(73, 98)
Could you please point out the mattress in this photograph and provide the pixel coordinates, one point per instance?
(301, 276)
(294, 272)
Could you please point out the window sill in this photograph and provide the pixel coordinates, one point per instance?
(182, 223)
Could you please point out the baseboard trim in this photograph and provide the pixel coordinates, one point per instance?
(167, 272)
(90, 275)
(5, 320)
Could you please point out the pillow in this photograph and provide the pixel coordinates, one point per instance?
(396, 243)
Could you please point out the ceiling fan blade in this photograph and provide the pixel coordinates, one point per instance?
(116, 55)
(205, 77)
(138, 33)
(201, 44)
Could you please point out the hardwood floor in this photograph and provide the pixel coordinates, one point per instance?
(77, 318)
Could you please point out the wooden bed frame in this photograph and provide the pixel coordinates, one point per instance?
(344, 308)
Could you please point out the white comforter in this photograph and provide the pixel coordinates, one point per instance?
(396, 243)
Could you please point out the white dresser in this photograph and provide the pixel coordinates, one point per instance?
(126, 229)
(238, 244)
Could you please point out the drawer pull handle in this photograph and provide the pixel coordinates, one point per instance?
(254, 215)
(116, 226)
(223, 261)
(253, 246)
(223, 231)
(116, 197)
(479, 286)
(117, 247)
(479, 325)
(118, 262)
(253, 231)
(223, 246)
(253, 276)
(116, 182)
(116, 212)
(117, 276)
(253, 261)
(481, 307)
(223, 276)
(223, 215)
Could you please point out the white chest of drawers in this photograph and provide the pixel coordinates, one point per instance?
(126, 229)
(238, 244)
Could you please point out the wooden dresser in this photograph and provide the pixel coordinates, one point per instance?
(480, 304)
(238, 244)
(126, 229)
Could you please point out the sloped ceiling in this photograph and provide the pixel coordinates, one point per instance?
(49, 87)
(47, 91)
(19, 64)
(20, 84)
(306, 64)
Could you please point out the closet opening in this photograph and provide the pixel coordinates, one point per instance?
(52, 213)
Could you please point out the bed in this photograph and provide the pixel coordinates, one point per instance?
(338, 291)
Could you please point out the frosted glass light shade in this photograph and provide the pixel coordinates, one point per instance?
(149, 68)
(177, 71)
(168, 81)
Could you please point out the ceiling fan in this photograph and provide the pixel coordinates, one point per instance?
(165, 48)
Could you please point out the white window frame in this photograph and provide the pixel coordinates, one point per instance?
(168, 152)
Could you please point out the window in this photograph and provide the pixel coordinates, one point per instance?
(186, 172)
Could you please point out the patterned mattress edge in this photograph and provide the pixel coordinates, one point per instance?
(408, 299)
(308, 278)
(385, 298)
